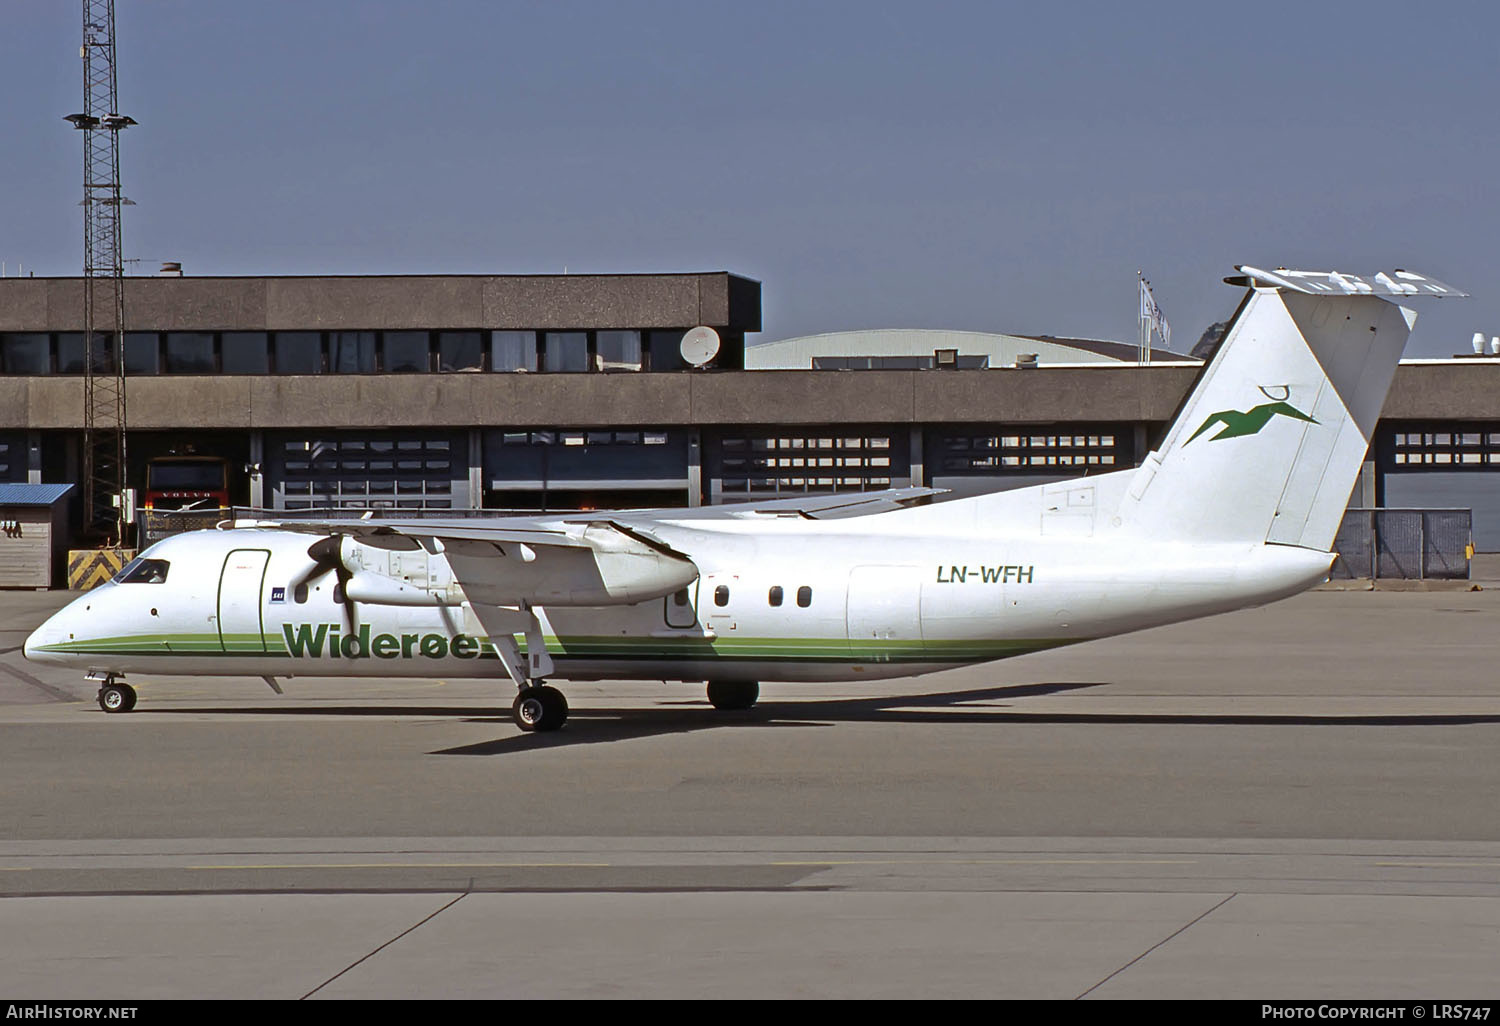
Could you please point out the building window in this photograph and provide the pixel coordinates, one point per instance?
(25, 353)
(189, 352)
(460, 351)
(407, 352)
(240, 352)
(298, 352)
(619, 350)
(70, 354)
(1458, 446)
(664, 350)
(565, 352)
(351, 352)
(513, 350)
(143, 352)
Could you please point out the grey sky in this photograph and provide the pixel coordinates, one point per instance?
(983, 166)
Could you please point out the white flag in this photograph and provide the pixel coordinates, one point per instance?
(1151, 314)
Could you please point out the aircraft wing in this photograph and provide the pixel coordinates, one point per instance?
(562, 559)
(510, 561)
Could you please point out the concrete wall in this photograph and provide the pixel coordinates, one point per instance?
(501, 302)
(1099, 394)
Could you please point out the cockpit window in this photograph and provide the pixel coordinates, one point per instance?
(143, 571)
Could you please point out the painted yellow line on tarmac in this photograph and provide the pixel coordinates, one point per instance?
(1440, 865)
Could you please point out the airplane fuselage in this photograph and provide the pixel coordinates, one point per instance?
(776, 599)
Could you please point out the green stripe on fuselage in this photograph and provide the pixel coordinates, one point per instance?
(329, 642)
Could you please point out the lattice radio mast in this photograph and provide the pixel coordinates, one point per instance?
(103, 278)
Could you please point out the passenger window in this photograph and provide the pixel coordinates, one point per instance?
(143, 571)
(804, 596)
(721, 595)
(299, 593)
(775, 596)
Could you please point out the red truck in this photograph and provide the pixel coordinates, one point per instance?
(187, 482)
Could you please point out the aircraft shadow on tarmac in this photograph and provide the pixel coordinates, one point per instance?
(586, 726)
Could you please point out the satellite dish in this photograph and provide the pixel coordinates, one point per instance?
(700, 346)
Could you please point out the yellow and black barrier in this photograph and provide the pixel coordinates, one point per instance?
(88, 568)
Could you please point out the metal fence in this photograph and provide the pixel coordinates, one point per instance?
(1415, 544)
(152, 525)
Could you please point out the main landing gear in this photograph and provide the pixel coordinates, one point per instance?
(733, 694)
(539, 708)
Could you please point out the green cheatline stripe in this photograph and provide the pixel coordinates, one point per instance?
(601, 647)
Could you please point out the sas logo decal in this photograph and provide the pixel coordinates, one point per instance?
(278, 594)
(1236, 424)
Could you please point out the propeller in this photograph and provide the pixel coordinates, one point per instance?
(327, 555)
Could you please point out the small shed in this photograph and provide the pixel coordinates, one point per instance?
(33, 532)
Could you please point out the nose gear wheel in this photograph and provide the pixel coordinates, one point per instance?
(116, 697)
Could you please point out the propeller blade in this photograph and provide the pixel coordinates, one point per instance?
(325, 555)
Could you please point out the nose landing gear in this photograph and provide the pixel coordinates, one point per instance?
(116, 696)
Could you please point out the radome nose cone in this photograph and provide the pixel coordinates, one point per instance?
(28, 646)
(31, 648)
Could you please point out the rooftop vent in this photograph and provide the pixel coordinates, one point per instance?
(171, 269)
(1025, 361)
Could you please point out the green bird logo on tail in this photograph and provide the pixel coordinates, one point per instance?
(1235, 423)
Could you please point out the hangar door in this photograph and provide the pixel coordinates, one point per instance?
(1444, 466)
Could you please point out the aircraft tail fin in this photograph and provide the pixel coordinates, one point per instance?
(1268, 444)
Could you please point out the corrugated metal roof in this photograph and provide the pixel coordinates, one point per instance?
(32, 494)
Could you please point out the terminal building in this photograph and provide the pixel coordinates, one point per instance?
(571, 391)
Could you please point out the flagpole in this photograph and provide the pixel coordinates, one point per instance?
(1142, 357)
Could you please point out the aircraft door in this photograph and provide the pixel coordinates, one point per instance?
(241, 615)
(679, 609)
(884, 610)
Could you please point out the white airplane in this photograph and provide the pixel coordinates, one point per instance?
(1238, 507)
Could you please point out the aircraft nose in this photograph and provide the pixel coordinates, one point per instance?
(30, 645)
(34, 647)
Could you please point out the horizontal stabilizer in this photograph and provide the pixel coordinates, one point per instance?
(1398, 283)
